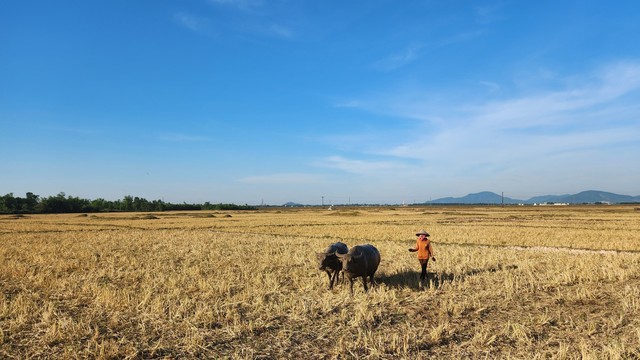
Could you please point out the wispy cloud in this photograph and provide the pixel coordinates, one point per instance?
(191, 21)
(361, 167)
(280, 31)
(462, 37)
(77, 130)
(486, 14)
(562, 106)
(543, 129)
(174, 137)
(239, 4)
(491, 86)
(349, 104)
(283, 179)
(240, 17)
(399, 59)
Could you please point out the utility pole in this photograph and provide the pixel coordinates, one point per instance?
(503, 199)
(323, 200)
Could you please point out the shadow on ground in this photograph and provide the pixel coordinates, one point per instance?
(411, 279)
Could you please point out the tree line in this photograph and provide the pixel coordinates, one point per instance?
(62, 203)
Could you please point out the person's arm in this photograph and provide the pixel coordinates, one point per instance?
(431, 252)
(414, 249)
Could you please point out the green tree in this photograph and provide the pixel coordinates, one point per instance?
(7, 203)
(30, 203)
(127, 203)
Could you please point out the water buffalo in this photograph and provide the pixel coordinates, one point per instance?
(327, 261)
(360, 261)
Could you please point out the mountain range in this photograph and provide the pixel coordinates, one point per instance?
(585, 197)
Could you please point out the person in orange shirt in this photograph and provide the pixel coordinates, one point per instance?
(425, 251)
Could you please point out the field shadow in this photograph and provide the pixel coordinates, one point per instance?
(411, 279)
(401, 279)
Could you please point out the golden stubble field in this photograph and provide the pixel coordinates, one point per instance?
(514, 282)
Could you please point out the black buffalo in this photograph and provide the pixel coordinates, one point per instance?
(328, 261)
(360, 261)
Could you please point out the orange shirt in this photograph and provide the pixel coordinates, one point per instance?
(424, 248)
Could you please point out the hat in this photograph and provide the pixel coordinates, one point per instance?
(422, 232)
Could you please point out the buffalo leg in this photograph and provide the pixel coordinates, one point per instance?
(338, 281)
(333, 278)
(330, 280)
(364, 282)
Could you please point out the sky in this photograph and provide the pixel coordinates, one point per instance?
(318, 102)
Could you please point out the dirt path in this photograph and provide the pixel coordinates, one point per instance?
(548, 249)
(569, 250)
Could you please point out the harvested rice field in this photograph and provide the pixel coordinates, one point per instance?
(509, 282)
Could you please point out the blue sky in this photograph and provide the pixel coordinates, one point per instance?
(257, 101)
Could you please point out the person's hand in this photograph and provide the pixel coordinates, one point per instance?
(412, 250)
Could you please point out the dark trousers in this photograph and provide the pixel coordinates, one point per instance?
(423, 264)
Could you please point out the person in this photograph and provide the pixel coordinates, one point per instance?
(425, 251)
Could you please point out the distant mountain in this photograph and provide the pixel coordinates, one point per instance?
(291, 204)
(585, 197)
(547, 198)
(593, 196)
(485, 197)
